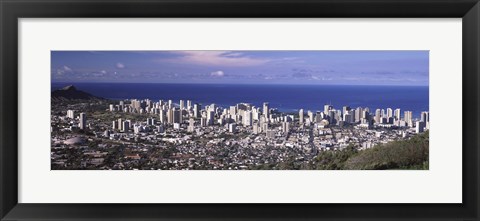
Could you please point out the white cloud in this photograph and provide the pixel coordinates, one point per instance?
(216, 58)
(64, 70)
(217, 74)
(103, 72)
(120, 65)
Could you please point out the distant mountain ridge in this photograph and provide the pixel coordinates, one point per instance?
(71, 93)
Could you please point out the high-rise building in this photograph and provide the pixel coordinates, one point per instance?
(266, 110)
(327, 108)
(162, 116)
(170, 116)
(256, 113)
(232, 128)
(419, 127)
(126, 126)
(332, 117)
(247, 118)
(120, 124)
(424, 116)
(111, 107)
(191, 125)
(365, 114)
(318, 117)
(196, 110)
(136, 104)
(203, 121)
(182, 104)
(189, 104)
(397, 114)
(233, 110)
(378, 115)
(408, 118)
(83, 121)
(349, 117)
(71, 114)
(345, 109)
(358, 114)
(300, 116)
(389, 112)
(210, 117)
(285, 127)
(115, 125)
(310, 116)
(176, 116)
(257, 128)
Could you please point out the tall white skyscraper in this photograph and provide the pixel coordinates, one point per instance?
(378, 115)
(285, 127)
(162, 116)
(345, 109)
(232, 128)
(266, 110)
(182, 104)
(191, 125)
(83, 121)
(300, 116)
(310, 116)
(397, 114)
(196, 110)
(327, 108)
(247, 118)
(233, 110)
(389, 112)
(358, 114)
(408, 118)
(71, 114)
(120, 124)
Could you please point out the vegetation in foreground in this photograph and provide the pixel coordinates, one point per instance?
(405, 154)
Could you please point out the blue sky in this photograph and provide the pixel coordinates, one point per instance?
(243, 67)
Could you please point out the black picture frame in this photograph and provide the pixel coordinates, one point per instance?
(12, 10)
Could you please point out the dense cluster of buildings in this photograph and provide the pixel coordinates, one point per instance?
(187, 135)
(192, 117)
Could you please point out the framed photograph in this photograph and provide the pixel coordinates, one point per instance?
(227, 110)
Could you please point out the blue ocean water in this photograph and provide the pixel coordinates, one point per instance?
(284, 97)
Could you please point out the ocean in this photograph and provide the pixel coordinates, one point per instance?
(286, 98)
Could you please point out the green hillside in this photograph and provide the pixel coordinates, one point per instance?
(406, 154)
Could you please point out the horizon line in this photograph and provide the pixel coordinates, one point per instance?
(393, 85)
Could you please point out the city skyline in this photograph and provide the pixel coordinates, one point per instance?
(146, 134)
(399, 68)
